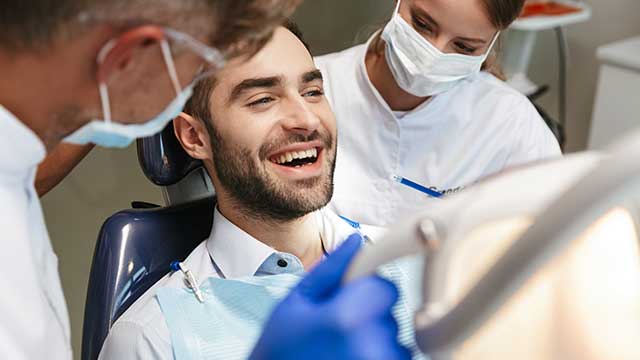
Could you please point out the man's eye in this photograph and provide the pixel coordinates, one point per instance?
(465, 49)
(261, 101)
(313, 93)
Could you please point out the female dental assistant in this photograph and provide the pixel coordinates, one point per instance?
(418, 101)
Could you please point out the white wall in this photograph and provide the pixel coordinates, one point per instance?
(612, 20)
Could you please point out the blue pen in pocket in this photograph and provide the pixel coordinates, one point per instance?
(418, 187)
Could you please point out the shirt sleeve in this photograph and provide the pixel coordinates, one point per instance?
(534, 140)
(23, 334)
(129, 340)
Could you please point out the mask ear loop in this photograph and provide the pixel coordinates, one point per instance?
(102, 86)
(493, 42)
(104, 99)
(171, 67)
(397, 10)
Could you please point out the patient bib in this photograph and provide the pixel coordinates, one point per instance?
(229, 322)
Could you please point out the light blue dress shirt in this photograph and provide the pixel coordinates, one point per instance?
(228, 253)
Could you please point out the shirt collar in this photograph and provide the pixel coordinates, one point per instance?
(238, 254)
(20, 148)
(235, 252)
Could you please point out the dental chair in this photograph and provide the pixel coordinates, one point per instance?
(136, 246)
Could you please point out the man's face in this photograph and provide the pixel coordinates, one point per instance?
(274, 139)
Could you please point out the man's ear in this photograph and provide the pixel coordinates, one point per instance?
(117, 54)
(193, 136)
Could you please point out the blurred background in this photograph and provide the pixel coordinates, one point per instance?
(108, 180)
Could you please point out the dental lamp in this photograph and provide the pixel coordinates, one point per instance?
(542, 262)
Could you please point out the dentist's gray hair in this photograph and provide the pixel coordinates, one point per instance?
(238, 25)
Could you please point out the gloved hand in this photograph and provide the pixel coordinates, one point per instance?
(320, 319)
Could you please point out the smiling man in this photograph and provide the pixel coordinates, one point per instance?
(267, 137)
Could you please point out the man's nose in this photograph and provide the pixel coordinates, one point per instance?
(300, 117)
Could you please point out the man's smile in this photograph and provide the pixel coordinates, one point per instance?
(299, 161)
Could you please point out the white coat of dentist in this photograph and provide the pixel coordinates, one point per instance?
(419, 100)
(52, 88)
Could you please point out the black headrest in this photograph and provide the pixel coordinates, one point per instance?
(163, 160)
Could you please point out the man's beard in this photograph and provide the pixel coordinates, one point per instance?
(260, 194)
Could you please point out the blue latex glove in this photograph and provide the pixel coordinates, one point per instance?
(321, 319)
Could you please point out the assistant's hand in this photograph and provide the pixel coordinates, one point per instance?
(320, 319)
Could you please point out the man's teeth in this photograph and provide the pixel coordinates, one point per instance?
(292, 155)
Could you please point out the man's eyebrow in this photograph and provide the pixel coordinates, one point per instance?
(248, 84)
(311, 76)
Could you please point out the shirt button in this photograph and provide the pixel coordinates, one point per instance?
(282, 263)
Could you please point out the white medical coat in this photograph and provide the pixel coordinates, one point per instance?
(454, 139)
(34, 323)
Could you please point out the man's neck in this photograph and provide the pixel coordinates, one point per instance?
(382, 79)
(300, 237)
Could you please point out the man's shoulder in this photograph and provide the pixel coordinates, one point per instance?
(140, 330)
(146, 309)
(142, 327)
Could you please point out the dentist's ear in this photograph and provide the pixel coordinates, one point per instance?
(117, 54)
(193, 136)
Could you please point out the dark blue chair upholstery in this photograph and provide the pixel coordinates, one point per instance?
(134, 250)
(135, 247)
(162, 159)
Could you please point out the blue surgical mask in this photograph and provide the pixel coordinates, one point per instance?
(108, 133)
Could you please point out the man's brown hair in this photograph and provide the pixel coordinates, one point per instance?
(198, 105)
(240, 25)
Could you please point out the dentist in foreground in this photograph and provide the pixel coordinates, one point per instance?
(103, 73)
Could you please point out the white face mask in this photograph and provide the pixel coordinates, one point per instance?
(108, 133)
(419, 67)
